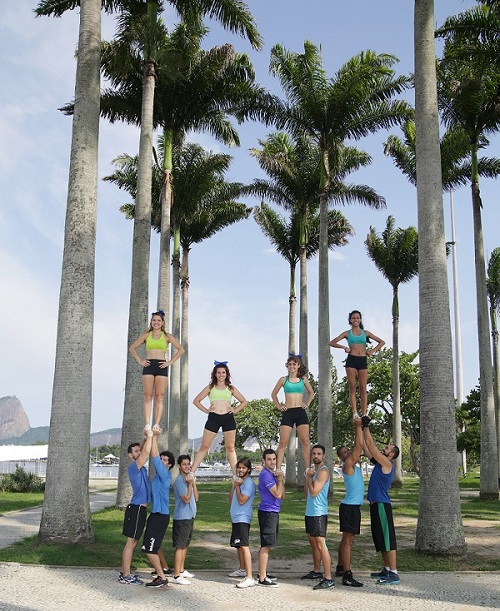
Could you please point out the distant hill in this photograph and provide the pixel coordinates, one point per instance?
(13, 419)
(40, 434)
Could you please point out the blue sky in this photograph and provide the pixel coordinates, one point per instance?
(239, 285)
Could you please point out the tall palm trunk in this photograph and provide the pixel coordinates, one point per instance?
(291, 453)
(133, 418)
(488, 487)
(164, 262)
(324, 369)
(396, 390)
(66, 510)
(174, 421)
(303, 330)
(496, 376)
(184, 365)
(438, 532)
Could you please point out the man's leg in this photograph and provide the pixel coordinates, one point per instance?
(263, 561)
(178, 561)
(157, 565)
(163, 560)
(241, 557)
(127, 553)
(316, 554)
(247, 560)
(324, 556)
(390, 559)
(346, 547)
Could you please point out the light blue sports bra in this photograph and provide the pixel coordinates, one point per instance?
(294, 387)
(356, 339)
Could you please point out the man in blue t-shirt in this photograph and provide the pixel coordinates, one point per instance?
(135, 513)
(186, 495)
(241, 498)
(159, 517)
(272, 492)
(316, 518)
(382, 523)
(350, 507)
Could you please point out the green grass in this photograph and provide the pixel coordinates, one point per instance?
(14, 501)
(210, 546)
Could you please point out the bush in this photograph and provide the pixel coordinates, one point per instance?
(21, 481)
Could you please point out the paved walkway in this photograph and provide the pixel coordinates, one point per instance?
(45, 588)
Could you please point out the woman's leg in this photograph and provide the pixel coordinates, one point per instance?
(351, 378)
(284, 437)
(363, 395)
(303, 433)
(206, 442)
(160, 386)
(148, 383)
(229, 441)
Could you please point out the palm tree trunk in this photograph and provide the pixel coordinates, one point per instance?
(133, 419)
(488, 487)
(496, 376)
(303, 332)
(174, 422)
(66, 509)
(164, 262)
(396, 390)
(291, 450)
(324, 370)
(438, 532)
(184, 364)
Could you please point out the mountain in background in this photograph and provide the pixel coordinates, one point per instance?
(15, 430)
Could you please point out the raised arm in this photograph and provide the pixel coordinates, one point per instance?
(374, 452)
(145, 450)
(316, 486)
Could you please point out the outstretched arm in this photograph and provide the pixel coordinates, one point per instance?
(375, 453)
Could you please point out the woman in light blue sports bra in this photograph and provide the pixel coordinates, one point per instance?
(356, 364)
(295, 385)
(155, 366)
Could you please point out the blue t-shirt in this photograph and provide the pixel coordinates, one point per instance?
(161, 487)
(243, 513)
(141, 490)
(268, 502)
(182, 510)
(380, 482)
(354, 487)
(318, 505)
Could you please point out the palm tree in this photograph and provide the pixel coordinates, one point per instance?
(66, 510)
(293, 169)
(469, 97)
(395, 254)
(438, 532)
(357, 102)
(493, 287)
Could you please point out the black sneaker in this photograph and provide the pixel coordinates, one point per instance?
(380, 574)
(339, 571)
(348, 580)
(157, 582)
(313, 575)
(165, 572)
(267, 582)
(324, 584)
(271, 577)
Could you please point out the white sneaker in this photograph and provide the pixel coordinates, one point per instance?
(238, 573)
(181, 581)
(188, 574)
(248, 582)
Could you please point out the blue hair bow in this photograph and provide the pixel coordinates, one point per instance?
(293, 354)
(216, 363)
(160, 312)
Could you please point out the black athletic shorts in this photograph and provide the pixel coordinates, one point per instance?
(294, 415)
(350, 518)
(155, 531)
(383, 533)
(182, 531)
(134, 521)
(153, 369)
(240, 534)
(269, 522)
(356, 362)
(217, 421)
(316, 525)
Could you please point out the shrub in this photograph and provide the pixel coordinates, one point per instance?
(21, 481)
